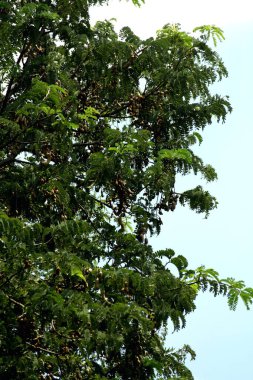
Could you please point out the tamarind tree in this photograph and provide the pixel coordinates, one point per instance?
(95, 127)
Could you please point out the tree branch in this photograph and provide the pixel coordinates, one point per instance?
(42, 349)
(16, 302)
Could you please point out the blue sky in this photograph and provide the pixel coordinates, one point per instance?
(223, 340)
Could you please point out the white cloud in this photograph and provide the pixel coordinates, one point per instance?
(189, 13)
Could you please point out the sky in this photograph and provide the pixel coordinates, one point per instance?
(222, 339)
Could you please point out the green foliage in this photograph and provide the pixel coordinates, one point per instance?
(199, 200)
(94, 129)
(208, 31)
(138, 2)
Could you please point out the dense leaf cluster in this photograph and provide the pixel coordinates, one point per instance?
(94, 129)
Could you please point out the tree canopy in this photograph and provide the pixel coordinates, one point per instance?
(95, 127)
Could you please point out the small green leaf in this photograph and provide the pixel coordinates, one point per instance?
(76, 271)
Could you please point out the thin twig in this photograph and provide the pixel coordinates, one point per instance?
(8, 280)
(42, 349)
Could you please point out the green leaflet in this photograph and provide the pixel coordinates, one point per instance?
(178, 154)
(138, 2)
